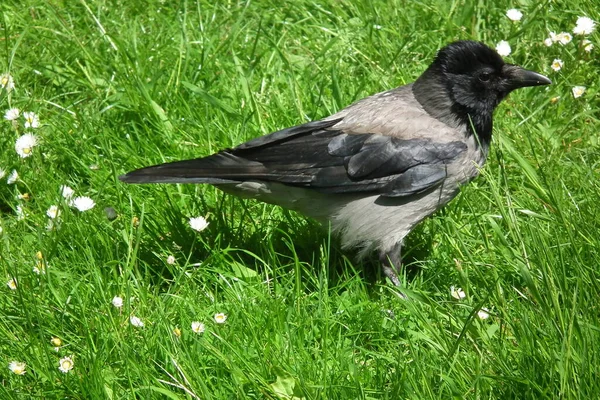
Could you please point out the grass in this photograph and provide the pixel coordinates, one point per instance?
(120, 85)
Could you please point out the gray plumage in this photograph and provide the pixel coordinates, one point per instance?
(378, 167)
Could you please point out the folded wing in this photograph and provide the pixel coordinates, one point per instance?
(318, 156)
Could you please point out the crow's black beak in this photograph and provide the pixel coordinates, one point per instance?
(519, 77)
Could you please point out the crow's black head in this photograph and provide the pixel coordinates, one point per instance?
(466, 81)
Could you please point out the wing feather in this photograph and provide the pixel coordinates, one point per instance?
(317, 156)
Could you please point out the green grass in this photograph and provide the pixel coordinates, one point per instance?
(121, 85)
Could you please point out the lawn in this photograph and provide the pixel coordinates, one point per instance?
(125, 300)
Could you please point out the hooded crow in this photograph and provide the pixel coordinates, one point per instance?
(381, 165)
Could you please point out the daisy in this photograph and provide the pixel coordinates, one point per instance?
(514, 15)
(457, 293)
(56, 342)
(7, 82)
(20, 213)
(587, 45)
(548, 42)
(12, 114)
(50, 225)
(66, 364)
(117, 301)
(83, 203)
(135, 321)
(66, 192)
(177, 332)
(578, 91)
(483, 313)
(17, 367)
(12, 284)
(584, 26)
(503, 48)
(557, 64)
(53, 212)
(31, 120)
(198, 224)
(170, 260)
(13, 177)
(25, 144)
(197, 327)
(40, 268)
(564, 38)
(220, 318)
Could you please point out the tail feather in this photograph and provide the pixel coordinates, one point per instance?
(219, 168)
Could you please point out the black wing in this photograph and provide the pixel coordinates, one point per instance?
(317, 156)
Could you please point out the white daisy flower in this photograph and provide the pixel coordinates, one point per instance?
(578, 91)
(53, 212)
(554, 37)
(50, 225)
(170, 260)
(220, 318)
(557, 64)
(457, 293)
(514, 15)
(483, 313)
(587, 45)
(25, 144)
(20, 213)
(117, 301)
(135, 321)
(198, 223)
(13, 177)
(564, 38)
(378, 27)
(503, 48)
(548, 42)
(83, 203)
(66, 192)
(7, 82)
(66, 364)
(12, 114)
(31, 120)
(40, 268)
(584, 26)
(17, 367)
(12, 284)
(198, 327)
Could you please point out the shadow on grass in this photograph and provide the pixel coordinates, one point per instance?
(283, 242)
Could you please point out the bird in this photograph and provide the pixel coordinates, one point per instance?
(380, 166)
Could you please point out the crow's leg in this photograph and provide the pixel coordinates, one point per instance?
(391, 262)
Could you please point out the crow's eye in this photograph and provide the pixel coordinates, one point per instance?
(484, 77)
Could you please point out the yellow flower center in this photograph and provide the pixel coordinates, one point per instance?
(27, 150)
(66, 364)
